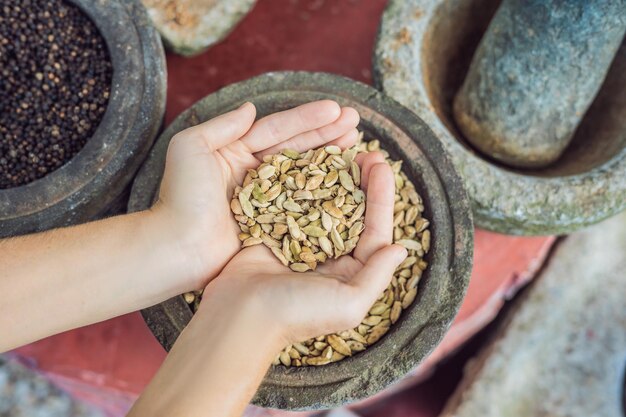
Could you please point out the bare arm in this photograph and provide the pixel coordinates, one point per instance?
(216, 366)
(66, 278)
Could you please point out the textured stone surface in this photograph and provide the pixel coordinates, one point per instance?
(535, 73)
(96, 178)
(423, 51)
(563, 350)
(26, 394)
(443, 285)
(188, 27)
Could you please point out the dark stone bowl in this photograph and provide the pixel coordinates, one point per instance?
(97, 177)
(423, 52)
(443, 285)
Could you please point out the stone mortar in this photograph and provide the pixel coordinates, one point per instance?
(97, 177)
(443, 285)
(423, 52)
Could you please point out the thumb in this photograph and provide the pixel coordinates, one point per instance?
(374, 277)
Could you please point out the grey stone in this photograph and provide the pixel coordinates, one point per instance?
(534, 75)
(423, 51)
(443, 285)
(562, 350)
(97, 178)
(188, 27)
(24, 393)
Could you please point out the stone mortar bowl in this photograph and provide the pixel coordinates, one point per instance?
(423, 52)
(97, 178)
(443, 285)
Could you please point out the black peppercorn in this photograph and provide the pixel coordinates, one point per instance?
(55, 80)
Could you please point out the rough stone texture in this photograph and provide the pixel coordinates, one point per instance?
(423, 51)
(26, 394)
(89, 184)
(562, 351)
(188, 27)
(442, 287)
(534, 75)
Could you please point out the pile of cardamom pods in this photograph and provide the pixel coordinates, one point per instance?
(307, 208)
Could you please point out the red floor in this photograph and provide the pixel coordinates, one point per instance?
(109, 363)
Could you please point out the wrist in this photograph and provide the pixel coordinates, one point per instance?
(246, 313)
(217, 362)
(174, 249)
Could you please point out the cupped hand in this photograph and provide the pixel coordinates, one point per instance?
(337, 295)
(205, 163)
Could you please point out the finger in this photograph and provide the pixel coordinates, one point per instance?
(224, 129)
(256, 255)
(375, 275)
(281, 126)
(369, 160)
(343, 268)
(346, 141)
(347, 121)
(378, 231)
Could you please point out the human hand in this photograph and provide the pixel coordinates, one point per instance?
(204, 164)
(256, 306)
(338, 294)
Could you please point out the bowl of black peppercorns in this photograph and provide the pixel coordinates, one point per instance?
(82, 97)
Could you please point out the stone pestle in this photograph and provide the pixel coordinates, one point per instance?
(534, 74)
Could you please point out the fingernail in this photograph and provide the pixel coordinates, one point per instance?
(244, 105)
(402, 254)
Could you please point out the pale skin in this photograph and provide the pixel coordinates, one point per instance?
(67, 278)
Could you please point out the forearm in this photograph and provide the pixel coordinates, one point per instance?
(67, 278)
(215, 366)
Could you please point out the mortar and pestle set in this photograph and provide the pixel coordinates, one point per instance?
(527, 97)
